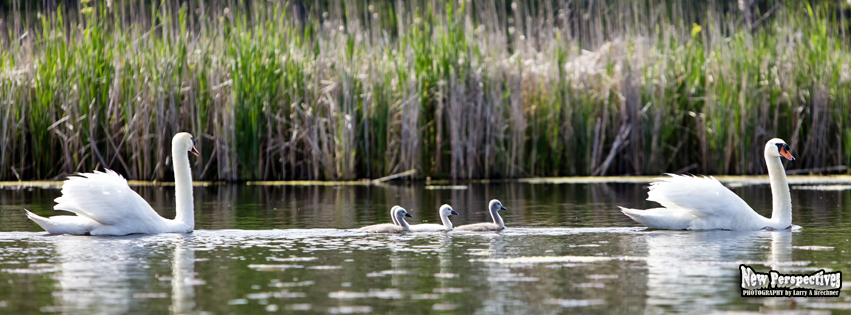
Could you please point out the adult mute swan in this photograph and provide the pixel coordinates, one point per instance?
(399, 213)
(703, 203)
(497, 224)
(445, 212)
(105, 204)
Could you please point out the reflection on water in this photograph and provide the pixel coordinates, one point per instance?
(291, 249)
(697, 260)
(113, 275)
(183, 278)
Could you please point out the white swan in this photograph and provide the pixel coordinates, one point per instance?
(105, 204)
(399, 214)
(445, 212)
(703, 203)
(497, 224)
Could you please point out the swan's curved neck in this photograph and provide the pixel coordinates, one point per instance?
(183, 190)
(445, 219)
(405, 226)
(781, 215)
(393, 216)
(497, 219)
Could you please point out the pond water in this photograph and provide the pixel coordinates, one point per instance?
(293, 249)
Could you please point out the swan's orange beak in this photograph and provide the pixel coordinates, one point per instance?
(195, 151)
(784, 151)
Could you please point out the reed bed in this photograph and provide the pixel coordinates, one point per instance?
(466, 89)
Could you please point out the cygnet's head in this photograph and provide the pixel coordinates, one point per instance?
(393, 214)
(495, 205)
(184, 142)
(778, 148)
(446, 210)
(401, 213)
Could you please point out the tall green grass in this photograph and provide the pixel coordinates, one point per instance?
(454, 89)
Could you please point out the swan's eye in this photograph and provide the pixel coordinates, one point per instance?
(783, 148)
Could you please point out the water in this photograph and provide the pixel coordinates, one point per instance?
(292, 249)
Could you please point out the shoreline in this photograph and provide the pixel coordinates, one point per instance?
(729, 180)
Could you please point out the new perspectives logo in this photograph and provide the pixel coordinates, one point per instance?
(773, 283)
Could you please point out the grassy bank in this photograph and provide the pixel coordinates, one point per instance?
(279, 90)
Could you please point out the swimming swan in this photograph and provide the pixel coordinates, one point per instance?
(703, 203)
(445, 212)
(105, 204)
(497, 224)
(392, 216)
(403, 226)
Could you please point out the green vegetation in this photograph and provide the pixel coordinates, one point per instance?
(455, 89)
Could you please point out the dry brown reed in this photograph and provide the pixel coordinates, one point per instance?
(454, 89)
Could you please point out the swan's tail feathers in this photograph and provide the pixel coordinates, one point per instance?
(40, 220)
(634, 214)
(661, 218)
(43, 222)
(62, 224)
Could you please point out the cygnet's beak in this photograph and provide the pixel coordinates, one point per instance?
(195, 151)
(408, 215)
(453, 212)
(501, 207)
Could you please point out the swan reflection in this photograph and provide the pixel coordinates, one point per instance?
(705, 265)
(113, 275)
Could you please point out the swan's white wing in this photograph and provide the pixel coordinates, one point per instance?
(105, 198)
(701, 196)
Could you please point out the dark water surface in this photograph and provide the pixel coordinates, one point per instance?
(292, 249)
